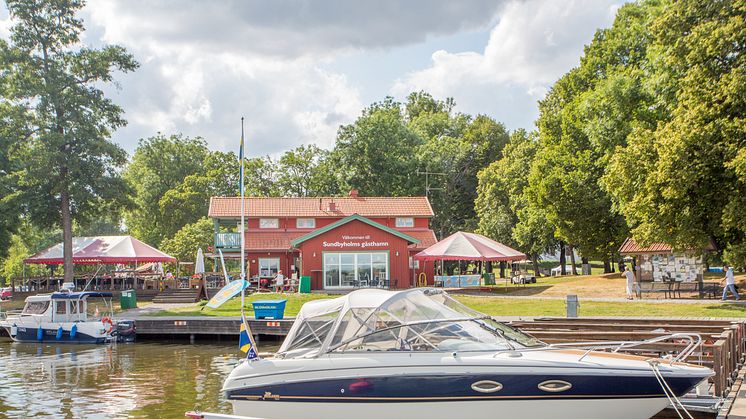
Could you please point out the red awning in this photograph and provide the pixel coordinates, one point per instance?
(102, 249)
(469, 246)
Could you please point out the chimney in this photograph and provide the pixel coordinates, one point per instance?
(354, 193)
(332, 206)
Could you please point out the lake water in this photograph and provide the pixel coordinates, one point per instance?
(140, 380)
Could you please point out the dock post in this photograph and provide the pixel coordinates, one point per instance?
(191, 338)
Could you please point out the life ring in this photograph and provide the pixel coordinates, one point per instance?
(111, 324)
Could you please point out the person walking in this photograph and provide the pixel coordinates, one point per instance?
(730, 283)
(630, 275)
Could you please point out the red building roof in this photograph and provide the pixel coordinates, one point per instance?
(271, 240)
(230, 207)
(426, 238)
(630, 247)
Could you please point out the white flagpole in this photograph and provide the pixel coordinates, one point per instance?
(243, 240)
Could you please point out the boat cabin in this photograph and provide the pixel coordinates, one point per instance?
(62, 306)
(414, 320)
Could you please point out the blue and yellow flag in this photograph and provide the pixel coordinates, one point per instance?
(246, 340)
(240, 160)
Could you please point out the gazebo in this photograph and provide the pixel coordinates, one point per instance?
(471, 247)
(102, 250)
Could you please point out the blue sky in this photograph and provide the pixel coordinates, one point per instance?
(297, 69)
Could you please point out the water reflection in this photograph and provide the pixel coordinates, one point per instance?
(142, 380)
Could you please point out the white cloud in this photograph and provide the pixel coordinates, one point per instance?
(183, 86)
(533, 44)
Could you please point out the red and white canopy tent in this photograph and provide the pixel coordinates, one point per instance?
(103, 250)
(469, 246)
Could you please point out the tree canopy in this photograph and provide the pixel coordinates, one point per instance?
(63, 120)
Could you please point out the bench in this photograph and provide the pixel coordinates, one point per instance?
(652, 287)
(672, 288)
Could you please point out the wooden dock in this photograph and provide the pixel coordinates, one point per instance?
(208, 326)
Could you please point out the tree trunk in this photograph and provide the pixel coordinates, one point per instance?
(563, 259)
(535, 262)
(67, 236)
(502, 269)
(571, 249)
(607, 266)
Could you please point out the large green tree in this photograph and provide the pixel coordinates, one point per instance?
(305, 171)
(682, 180)
(189, 201)
(376, 153)
(184, 244)
(71, 168)
(159, 165)
(502, 201)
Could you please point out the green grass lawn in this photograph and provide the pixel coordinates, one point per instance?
(497, 306)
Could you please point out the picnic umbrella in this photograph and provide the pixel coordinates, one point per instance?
(199, 265)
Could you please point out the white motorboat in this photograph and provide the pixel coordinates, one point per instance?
(61, 317)
(420, 353)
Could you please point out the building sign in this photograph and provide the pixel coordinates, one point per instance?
(354, 242)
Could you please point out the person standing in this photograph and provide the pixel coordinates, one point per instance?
(279, 282)
(730, 283)
(630, 275)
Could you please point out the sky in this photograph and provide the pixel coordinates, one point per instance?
(298, 69)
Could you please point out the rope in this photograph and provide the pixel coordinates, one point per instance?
(670, 395)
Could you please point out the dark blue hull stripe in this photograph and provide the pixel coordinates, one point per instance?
(433, 388)
(27, 334)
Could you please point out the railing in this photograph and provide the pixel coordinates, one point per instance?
(227, 240)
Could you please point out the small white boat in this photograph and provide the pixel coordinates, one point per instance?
(421, 354)
(61, 317)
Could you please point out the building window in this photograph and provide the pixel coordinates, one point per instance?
(305, 223)
(268, 267)
(269, 223)
(405, 222)
(354, 270)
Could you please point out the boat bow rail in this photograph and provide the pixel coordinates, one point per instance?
(695, 341)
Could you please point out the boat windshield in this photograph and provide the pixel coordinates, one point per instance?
(36, 307)
(412, 320)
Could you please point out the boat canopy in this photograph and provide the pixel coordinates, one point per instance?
(422, 319)
(78, 295)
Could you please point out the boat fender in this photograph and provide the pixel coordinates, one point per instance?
(74, 331)
(58, 336)
(39, 334)
(14, 330)
(108, 320)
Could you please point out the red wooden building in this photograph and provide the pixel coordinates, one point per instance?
(340, 242)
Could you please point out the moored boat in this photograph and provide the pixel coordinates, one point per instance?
(420, 353)
(61, 317)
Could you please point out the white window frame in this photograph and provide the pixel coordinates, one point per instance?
(355, 268)
(310, 223)
(268, 266)
(265, 223)
(404, 222)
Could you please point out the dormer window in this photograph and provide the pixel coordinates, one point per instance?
(269, 223)
(404, 222)
(305, 223)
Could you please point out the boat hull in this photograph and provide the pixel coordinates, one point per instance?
(642, 408)
(86, 333)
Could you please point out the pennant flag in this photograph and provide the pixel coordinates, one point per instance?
(227, 292)
(246, 340)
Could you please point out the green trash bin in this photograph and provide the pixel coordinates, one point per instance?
(305, 285)
(128, 299)
(489, 278)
